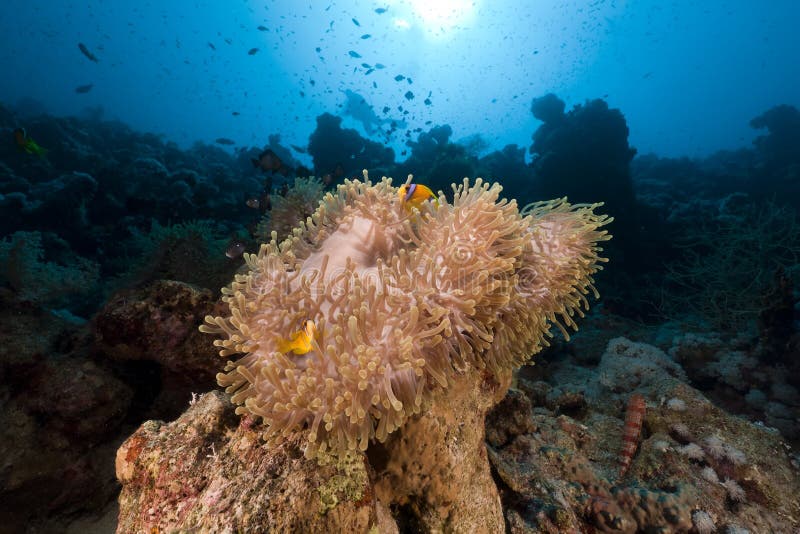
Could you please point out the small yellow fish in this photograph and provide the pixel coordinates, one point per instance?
(413, 195)
(26, 143)
(300, 342)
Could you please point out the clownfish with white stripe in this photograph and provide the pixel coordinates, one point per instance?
(415, 195)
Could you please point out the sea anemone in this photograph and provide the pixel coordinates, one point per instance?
(676, 404)
(709, 474)
(714, 446)
(693, 451)
(703, 522)
(401, 302)
(735, 491)
(720, 450)
(681, 432)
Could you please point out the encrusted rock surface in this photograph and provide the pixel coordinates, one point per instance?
(436, 466)
(210, 471)
(60, 412)
(558, 467)
(553, 444)
(151, 333)
(159, 322)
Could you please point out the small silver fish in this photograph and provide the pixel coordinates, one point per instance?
(235, 249)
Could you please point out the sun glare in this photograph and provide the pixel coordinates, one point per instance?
(442, 15)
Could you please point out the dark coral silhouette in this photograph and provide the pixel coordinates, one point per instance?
(781, 146)
(331, 145)
(436, 161)
(584, 154)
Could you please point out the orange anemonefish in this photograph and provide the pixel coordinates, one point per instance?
(26, 143)
(413, 195)
(302, 341)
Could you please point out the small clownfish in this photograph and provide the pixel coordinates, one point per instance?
(26, 143)
(302, 341)
(413, 195)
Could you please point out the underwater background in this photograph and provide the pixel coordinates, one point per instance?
(146, 146)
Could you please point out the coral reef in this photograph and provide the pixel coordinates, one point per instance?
(41, 268)
(61, 416)
(290, 209)
(123, 222)
(151, 332)
(330, 145)
(71, 391)
(585, 168)
(189, 252)
(557, 466)
(508, 167)
(780, 147)
(211, 471)
(754, 241)
(100, 187)
(206, 471)
(743, 376)
(548, 108)
(442, 159)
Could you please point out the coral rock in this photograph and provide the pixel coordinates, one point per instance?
(158, 323)
(209, 471)
(205, 472)
(427, 466)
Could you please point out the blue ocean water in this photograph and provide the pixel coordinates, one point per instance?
(688, 75)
